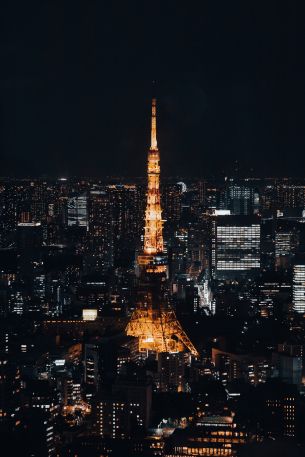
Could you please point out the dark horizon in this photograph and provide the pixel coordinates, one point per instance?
(76, 88)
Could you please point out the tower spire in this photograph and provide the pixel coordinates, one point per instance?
(153, 236)
(153, 143)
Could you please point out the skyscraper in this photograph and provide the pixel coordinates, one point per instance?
(153, 322)
(298, 287)
(241, 200)
(287, 241)
(235, 246)
(100, 245)
(77, 211)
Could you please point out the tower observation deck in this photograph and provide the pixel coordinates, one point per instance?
(153, 321)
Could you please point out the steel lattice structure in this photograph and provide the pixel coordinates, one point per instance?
(153, 322)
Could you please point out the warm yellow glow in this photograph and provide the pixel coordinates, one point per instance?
(155, 325)
(153, 144)
(89, 314)
(158, 330)
(148, 340)
(153, 238)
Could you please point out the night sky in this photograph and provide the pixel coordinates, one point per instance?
(75, 87)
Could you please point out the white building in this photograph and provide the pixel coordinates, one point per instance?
(298, 288)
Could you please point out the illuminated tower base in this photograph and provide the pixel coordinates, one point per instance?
(153, 321)
(159, 331)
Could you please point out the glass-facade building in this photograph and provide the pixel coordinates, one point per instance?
(77, 211)
(241, 200)
(235, 246)
(298, 287)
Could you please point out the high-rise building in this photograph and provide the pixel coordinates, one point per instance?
(171, 371)
(287, 241)
(298, 287)
(126, 219)
(72, 392)
(231, 366)
(153, 322)
(267, 243)
(279, 410)
(289, 195)
(241, 200)
(100, 245)
(10, 384)
(186, 295)
(171, 202)
(274, 293)
(29, 237)
(287, 367)
(92, 362)
(33, 433)
(235, 246)
(126, 409)
(78, 211)
(213, 435)
(8, 214)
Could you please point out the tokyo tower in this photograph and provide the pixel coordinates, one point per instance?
(153, 321)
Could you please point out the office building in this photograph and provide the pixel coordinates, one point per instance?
(125, 410)
(213, 436)
(235, 246)
(77, 211)
(100, 244)
(171, 371)
(92, 364)
(287, 242)
(241, 200)
(298, 287)
(230, 366)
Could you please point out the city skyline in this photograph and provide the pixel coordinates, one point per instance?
(152, 230)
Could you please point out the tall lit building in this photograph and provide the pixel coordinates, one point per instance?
(9, 388)
(241, 200)
(235, 246)
(153, 322)
(92, 363)
(100, 244)
(290, 195)
(171, 371)
(274, 293)
(77, 211)
(280, 410)
(287, 241)
(298, 287)
(126, 409)
(172, 202)
(126, 220)
(213, 435)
